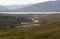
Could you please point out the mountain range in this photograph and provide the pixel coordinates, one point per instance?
(17, 6)
(3, 8)
(49, 6)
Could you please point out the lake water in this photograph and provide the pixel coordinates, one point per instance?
(28, 12)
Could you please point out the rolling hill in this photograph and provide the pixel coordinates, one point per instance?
(49, 6)
(10, 8)
(49, 31)
(14, 7)
(13, 20)
(3, 8)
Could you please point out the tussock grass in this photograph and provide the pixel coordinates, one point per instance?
(50, 31)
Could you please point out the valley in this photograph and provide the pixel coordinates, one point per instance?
(30, 26)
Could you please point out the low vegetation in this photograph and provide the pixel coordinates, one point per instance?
(48, 28)
(50, 31)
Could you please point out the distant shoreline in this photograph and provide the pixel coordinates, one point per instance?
(29, 12)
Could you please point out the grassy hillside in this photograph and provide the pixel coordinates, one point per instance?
(50, 18)
(50, 31)
(7, 21)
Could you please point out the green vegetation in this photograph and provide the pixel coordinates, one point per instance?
(50, 31)
(49, 27)
(7, 21)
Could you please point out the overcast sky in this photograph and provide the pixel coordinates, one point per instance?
(20, 2)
